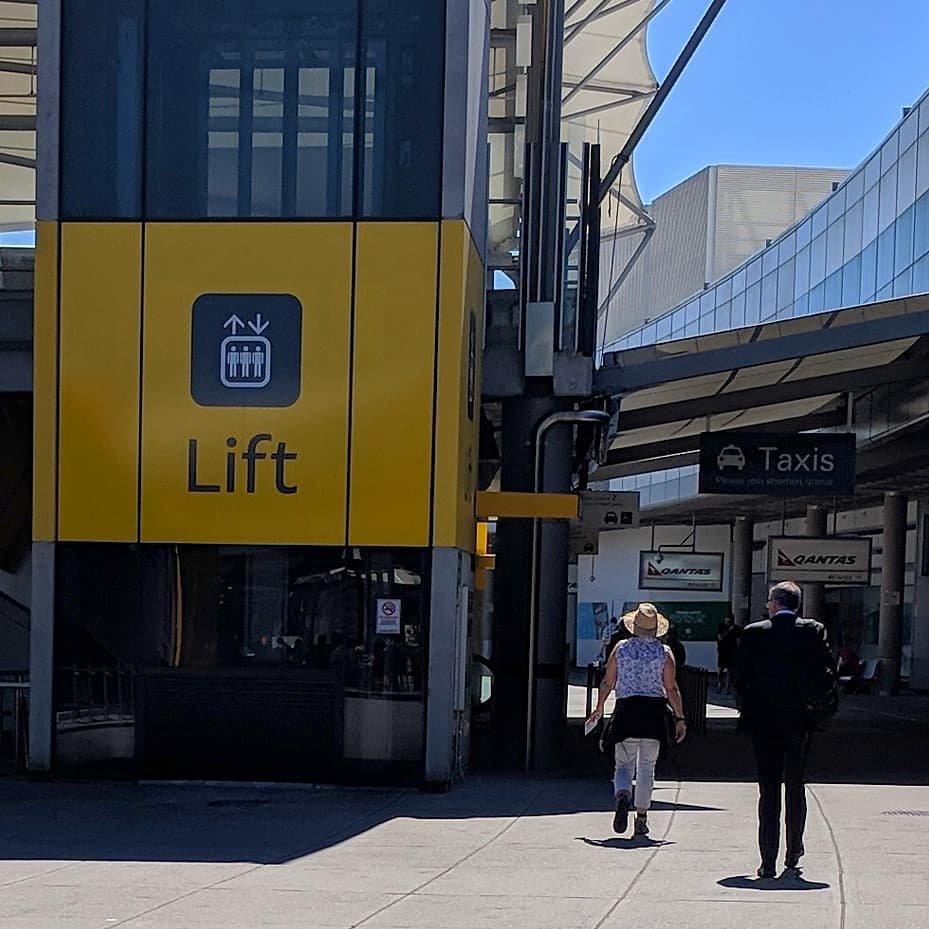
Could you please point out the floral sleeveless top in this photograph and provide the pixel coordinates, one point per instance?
(640, 668)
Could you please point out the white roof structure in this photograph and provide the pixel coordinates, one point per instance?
(17, 113)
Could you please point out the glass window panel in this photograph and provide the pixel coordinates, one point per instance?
(752, 304)
(101, 115)
(250, 110)
(833, 295)
(885, 293)
(816, 298)
(707, 302)
(922, 164)
(802, 305)
(854, 187)
(921, 276)
(403, 49)
(885, 258)
(787, 248)
(870, 215)
(663, 327)
(903, 246)
(768, 296)
(888, 207)
(836, 205)
(693, 311)
(692, 328)
(909, 130)
(906, 179)
(738, 281)
(924, 115)
(853, 223)
(872, 172)
(785, 284)
(818, 259)
(707, 323)
(649, 334)
(868, 272)
(802, 271)
(678, 320)
(889, 152)
(921, 230)
(903, 283)
(723, 291)
(851, 282)
(804, 233)
(820, 221)
(724, 317)
(835, 246)
(769, 260)
(753, 272)
(738, 310)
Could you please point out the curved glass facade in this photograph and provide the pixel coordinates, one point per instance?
(868, 241)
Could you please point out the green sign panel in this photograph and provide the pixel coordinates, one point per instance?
(696, 621)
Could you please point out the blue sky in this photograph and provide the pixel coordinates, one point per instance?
(782, 82)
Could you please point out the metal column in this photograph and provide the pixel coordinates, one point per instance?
(743, 536)
(893, 567)
(41, 657)
(814, 593)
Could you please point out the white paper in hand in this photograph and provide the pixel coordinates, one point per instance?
(592, 721)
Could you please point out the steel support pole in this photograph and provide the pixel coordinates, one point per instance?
(743, 537)
(893, 568)
(41, 657)
(814, 593)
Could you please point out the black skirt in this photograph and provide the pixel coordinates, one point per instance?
(641, 718)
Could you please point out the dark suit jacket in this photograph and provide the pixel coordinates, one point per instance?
(779, 663)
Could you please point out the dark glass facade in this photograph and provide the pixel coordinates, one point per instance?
(252, 109)
(232, 661)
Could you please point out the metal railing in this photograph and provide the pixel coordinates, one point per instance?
(88, 695)
(14, 716)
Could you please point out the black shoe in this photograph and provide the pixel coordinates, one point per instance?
(767, 871)
(621, 816)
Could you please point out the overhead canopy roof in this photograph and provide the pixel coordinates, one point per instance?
(790, 375)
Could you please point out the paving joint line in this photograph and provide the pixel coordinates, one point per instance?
(838, 857)
(454, 865)
(641, 872)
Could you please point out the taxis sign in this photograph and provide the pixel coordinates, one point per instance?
(777, 464)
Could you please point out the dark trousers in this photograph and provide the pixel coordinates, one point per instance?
(781, 759)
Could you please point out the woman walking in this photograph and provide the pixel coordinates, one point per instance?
(642, 672)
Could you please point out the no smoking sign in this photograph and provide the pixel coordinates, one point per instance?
(388, 617)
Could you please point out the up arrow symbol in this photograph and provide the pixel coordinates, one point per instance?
(235, 322)
(258, 326)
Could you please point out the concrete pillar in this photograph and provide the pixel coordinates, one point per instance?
(41, 657)
(814, 594)
(743, 537)
(893, 568)
(919, 673)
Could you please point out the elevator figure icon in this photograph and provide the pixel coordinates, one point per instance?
(245, 361)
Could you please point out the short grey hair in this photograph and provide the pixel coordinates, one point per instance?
(787, 594)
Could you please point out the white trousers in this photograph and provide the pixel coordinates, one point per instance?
(636, 757)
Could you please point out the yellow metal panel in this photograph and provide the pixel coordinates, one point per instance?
(527, 506)
(99, 382)
(309, 261)
(45, 384)
(393, 383)
(458, 387)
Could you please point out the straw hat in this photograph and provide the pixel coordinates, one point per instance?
(646, 622)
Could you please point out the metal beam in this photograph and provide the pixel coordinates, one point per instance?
(647, 450)
(610, 472)
(13, 37)
(17, 123)
(785, 392)
(653, 372)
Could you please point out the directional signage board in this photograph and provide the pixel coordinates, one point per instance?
(245, 350)
(777, 464)
(680, 570)
(828, 560)
(602, 511)
(581, 540)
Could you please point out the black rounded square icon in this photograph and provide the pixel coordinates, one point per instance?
(245, 349)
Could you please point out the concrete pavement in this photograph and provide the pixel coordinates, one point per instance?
(496, 852)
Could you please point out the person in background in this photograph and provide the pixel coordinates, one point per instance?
(641, 670)
(727, 646)
(609, 630)
(673, 641)
(777, 663)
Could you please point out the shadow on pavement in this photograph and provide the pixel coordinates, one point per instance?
(785, 882)
(620, 842)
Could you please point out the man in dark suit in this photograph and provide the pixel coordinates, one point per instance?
(778, 663)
